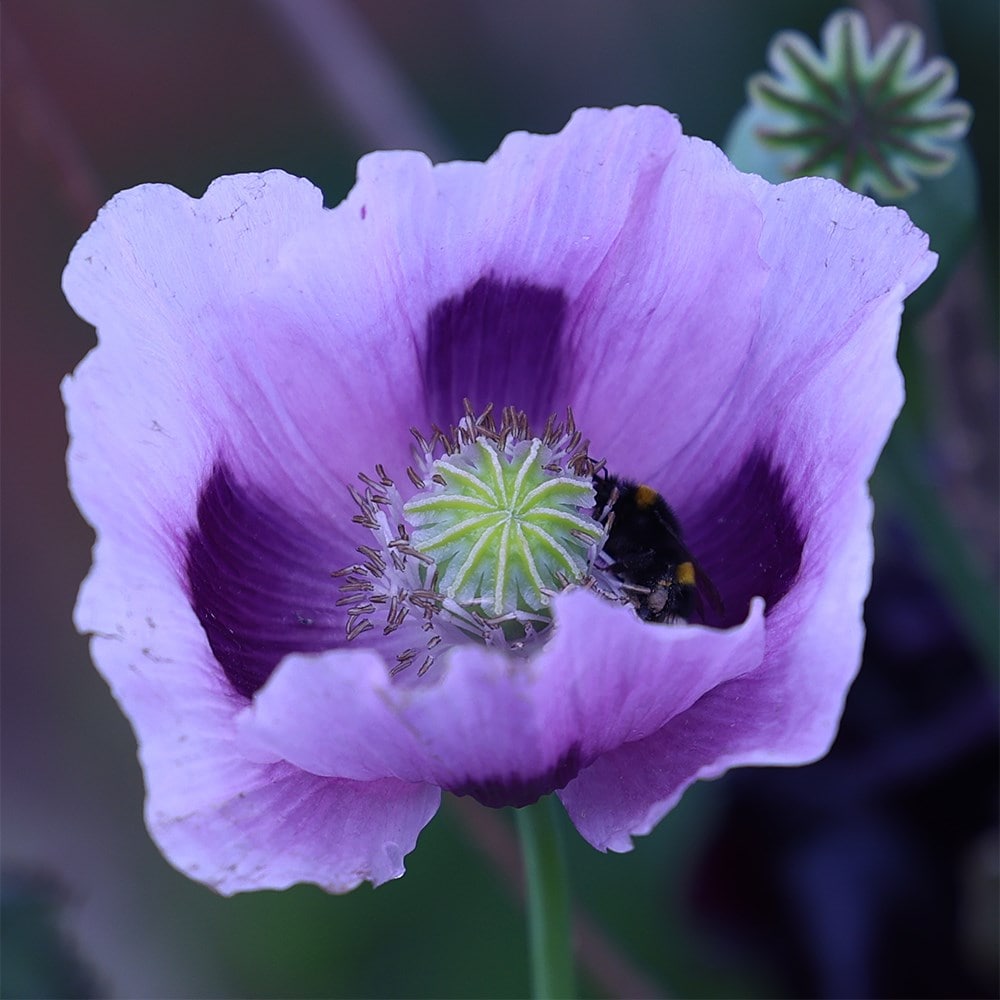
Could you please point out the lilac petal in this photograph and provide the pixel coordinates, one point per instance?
(171, 284)
(821, 372)
(193, 466)
(153, 274)
(468, 268)
(178, 286)
(504, 731)
(217, 816)
(663, 332)
(820, 453)
(275, 826)
(692, 403)
(795, 445)
(773, 498)
(786, 712)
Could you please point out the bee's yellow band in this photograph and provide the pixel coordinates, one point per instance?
(685, 574)
(645, 496)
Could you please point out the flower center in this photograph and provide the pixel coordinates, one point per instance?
(501, 519)
(504, 525)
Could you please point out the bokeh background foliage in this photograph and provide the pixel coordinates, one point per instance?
(872, 873)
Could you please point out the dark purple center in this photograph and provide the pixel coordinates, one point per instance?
(498, 342)
(748, 538)
(517, 790)
(259, 582)
(259, 578)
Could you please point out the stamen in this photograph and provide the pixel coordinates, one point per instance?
(354, 630)
(501, 520)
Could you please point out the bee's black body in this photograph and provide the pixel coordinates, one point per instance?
(646, 549)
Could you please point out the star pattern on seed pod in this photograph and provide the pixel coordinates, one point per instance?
(874, 118)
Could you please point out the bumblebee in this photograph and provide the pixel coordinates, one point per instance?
(648, 553)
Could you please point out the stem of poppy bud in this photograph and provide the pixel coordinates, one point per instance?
(549, 930)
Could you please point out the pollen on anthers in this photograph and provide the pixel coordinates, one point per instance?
(497, 520)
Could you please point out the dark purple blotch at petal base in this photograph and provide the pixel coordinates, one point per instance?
(498, 342)
(519, 790)
(258, 581)
(748, 539)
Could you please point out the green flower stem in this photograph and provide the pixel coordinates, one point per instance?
(549, 930)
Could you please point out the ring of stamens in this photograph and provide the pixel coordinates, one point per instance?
(500, 521)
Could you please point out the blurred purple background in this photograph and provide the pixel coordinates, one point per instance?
(870, 874)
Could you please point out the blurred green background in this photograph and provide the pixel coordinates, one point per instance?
(870, 874)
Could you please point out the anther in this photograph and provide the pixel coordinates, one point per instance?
(502, 520)
(346, 571)
(353, 631)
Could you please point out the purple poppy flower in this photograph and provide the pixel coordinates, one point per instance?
(728, 341)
